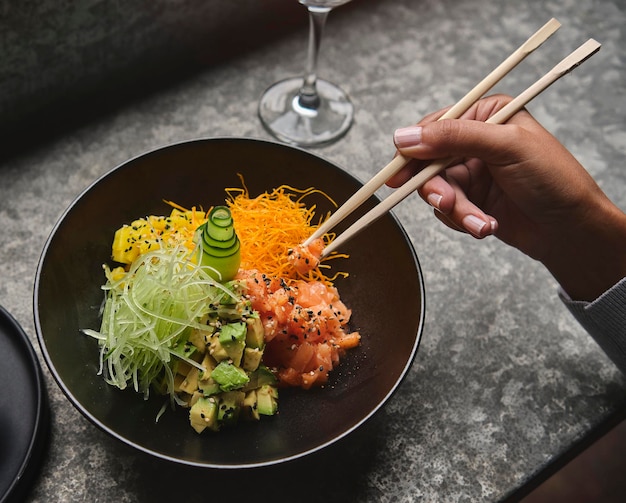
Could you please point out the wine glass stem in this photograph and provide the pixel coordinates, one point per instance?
(308, 96)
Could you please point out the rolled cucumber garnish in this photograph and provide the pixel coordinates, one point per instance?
(220, 244)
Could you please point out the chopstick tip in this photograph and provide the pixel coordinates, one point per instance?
(552, 25)
(541, 35)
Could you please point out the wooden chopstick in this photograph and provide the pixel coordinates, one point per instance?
(565, 66)
(359, 197)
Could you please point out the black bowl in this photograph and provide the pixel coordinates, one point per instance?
(384, 290)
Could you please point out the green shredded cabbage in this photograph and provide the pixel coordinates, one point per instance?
(149, 313)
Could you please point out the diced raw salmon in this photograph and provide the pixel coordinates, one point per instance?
(305, 326)
(305, 258)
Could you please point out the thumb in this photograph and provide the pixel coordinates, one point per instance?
(493, 143)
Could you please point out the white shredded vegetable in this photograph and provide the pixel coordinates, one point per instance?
(148, 314)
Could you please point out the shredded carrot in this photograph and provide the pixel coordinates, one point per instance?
(272, 224)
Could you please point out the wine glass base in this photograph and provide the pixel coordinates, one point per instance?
(284, 115)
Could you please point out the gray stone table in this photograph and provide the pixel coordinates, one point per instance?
(505, 383)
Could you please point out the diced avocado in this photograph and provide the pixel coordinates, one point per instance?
(265, 376)
(224, 298)
(233, 332)
(255, 334)
(229, 407)
(208, 363)
(206, 384)
(262, 375)
(229, 308)
(203, 414)
(216, 350)
(209, 387)
(267, 400)
(199, 339)
(178, 381)
(251, 359)
(249, 406)
(229, 312)
(229, 377)
(233, 339)
(182, 367)
(194, 398)
(187, 350)
(190, 383)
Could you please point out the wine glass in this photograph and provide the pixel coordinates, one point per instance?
(308, 111)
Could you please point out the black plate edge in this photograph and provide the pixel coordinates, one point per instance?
(30, 468)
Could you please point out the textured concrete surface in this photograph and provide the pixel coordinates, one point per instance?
(504, 382)
(65, 51)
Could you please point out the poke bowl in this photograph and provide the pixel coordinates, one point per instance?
(383, 289)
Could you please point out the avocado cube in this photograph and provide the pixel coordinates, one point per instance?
(181, 367)
(233, 339)
(227, 307)
(262, 375)
(203, 414)
(216, 350)
(199, 339)
(249, 406)
(265, 376)
(229, 377)
(194, 398)
(229, 407)
(251, 359)
(233, 332)
(178, 381)
(209, 387)
(255, 333)
(267, 400)
(225, 298)
(208, 363)
(190, 383)
(206, 384)
(187, 350)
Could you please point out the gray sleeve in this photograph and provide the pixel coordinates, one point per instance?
(605, 320)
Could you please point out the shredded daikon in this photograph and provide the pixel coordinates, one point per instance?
(148, 314)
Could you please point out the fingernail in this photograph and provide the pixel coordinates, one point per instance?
(474, 224)
(434, 199)
(408, 136)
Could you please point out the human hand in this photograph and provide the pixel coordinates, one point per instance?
(518, 182)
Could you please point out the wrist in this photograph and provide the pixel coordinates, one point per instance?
(589, 256)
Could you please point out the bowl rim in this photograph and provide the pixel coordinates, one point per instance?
(271, 462)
